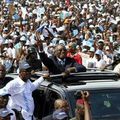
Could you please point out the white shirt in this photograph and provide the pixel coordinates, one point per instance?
(117, 68)
(90, 62)
(21, 95)
(100, 64)
(11, 52)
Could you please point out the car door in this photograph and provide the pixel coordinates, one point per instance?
(44, 99)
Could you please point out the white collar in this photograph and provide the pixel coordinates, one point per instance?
(21, 81)
(60, 59)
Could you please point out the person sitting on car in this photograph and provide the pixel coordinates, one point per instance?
(82, 111)
(59, 62)
(61, 111)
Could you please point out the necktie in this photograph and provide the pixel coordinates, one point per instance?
(62, 62)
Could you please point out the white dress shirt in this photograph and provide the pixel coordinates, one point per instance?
(21, 95)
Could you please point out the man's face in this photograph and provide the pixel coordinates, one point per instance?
(33, 56)
(25, 74)
(2, 72)
(3, 101)
(60, 52)
(98, 57)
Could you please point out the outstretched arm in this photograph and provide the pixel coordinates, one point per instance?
(87, 112)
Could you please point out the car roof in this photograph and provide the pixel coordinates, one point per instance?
(89, 80)
(96, 85)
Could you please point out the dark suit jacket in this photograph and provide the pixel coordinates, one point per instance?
(55, 67)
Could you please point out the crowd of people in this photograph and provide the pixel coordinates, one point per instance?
(58, 36)
(89, 30)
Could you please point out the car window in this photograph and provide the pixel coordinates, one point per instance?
(51, 96)
(104, 104)
(44, 101)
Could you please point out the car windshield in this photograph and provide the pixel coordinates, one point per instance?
(105, 104)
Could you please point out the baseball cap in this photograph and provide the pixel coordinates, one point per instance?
(59, 115)
(62, 42)
(92, 49)
(23, 38)
(99, 52)
(24, 66)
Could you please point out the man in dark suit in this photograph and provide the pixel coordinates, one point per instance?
(59, 62)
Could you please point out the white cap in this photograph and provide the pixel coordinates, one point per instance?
(62, 42)
(23, 38)
(116, 4)
(90, 20)
(85, 6)
(28, 42)
(91, 26)
(62, 28)
(92, 49)
(107, 48)
(100, 40)
(5, 29)
(99, 52)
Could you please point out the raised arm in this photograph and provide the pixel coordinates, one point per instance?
(87, 112)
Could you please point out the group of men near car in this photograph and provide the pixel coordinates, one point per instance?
(87, 35)
(20, 89)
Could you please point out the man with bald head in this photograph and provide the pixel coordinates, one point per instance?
(59, 62)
